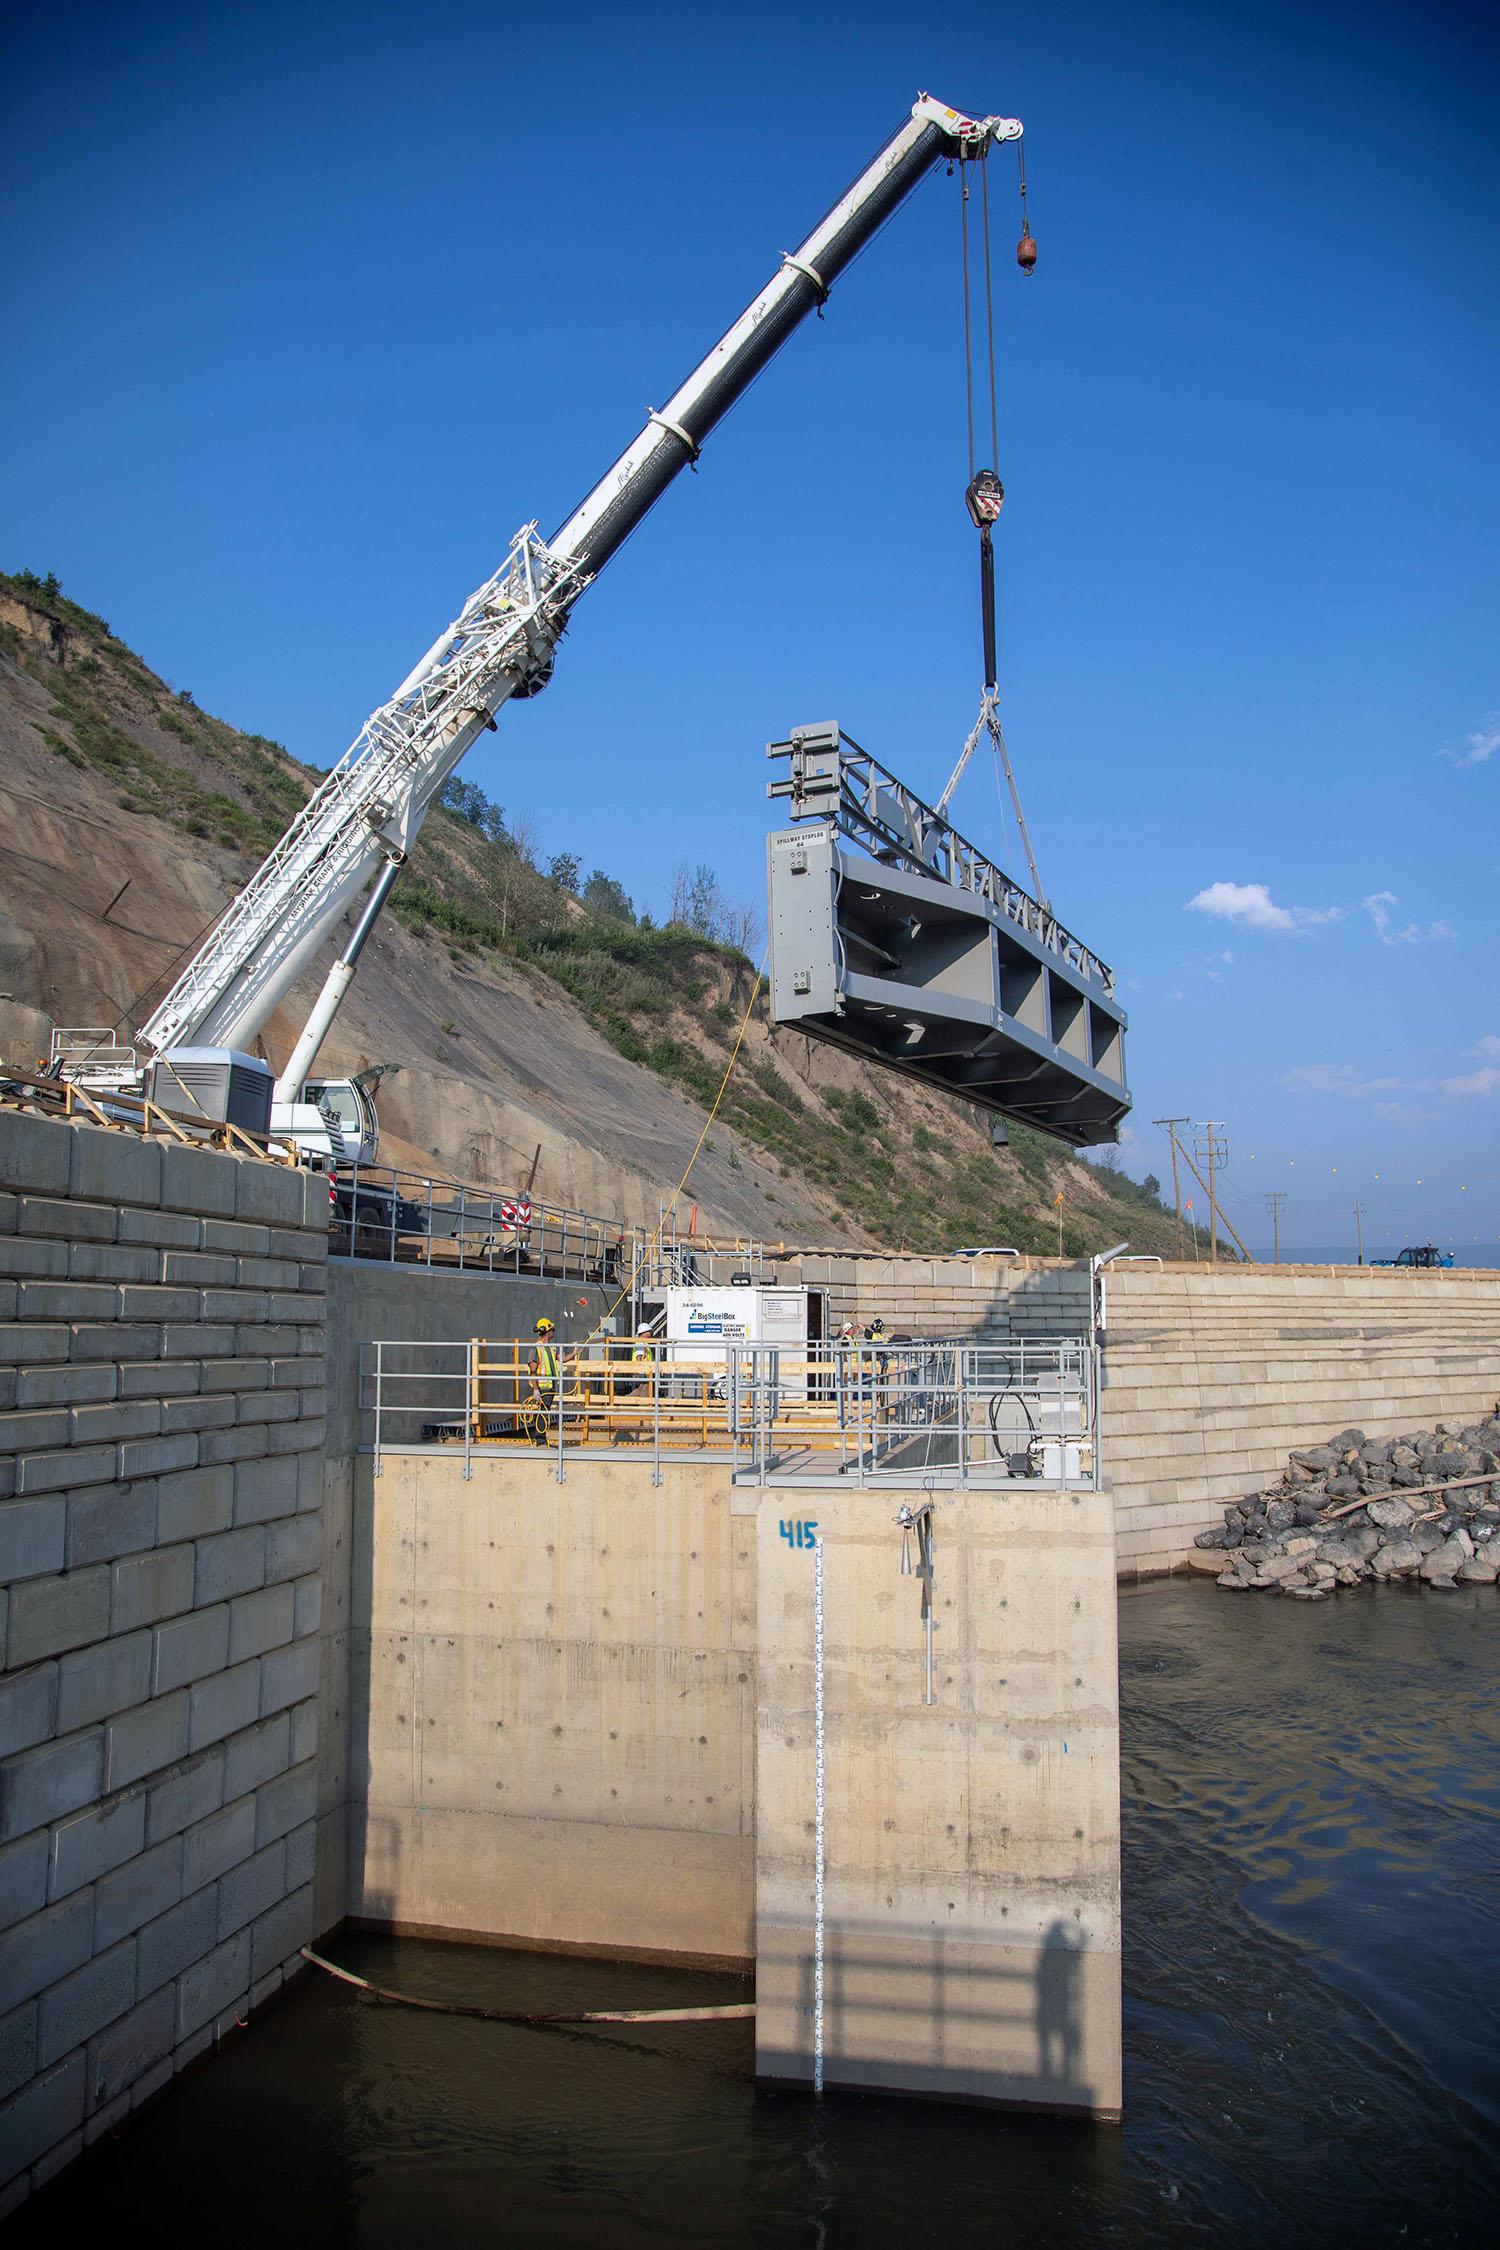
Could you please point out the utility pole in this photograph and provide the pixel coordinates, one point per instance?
(1213, 1151)
(1359, 1229)
(1171, 1124)
(1059, 1201)
(1273, 1205)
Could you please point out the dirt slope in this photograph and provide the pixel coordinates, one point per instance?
(105, 776)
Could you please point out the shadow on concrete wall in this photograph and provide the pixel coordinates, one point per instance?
(974, 2020)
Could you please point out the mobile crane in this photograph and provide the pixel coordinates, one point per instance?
(364, 816)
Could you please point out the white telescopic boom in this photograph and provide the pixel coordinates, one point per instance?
(373, 802)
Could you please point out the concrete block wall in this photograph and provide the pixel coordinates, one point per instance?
(162, 1403)
(1212, 1375)
(949, 1296)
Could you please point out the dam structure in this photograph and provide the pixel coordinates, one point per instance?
(279, 1658)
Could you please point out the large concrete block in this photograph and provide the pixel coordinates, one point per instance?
(185, 1796)
(114, 1419)
(158, 1456)
(213, 1984)
(46, 1946)
(93, 1683)
(33, 1258)
(302, 1436)
(252, 1888)
(301, 1855)
(218, 1843)
(55, 1471)
(246, 1443)
(197, 1180)
(259, 1754)
(293, 1548)
(65, 1386)
(111, 1520)
(114, 1339)
(27, 1342)
(304, 1717)
(233, 1563)
(233, 1304)
(197, 1339)
(167, 1230)
(197, 1269)
(28, 1708)
(158, 1378)
(23, 1878)
(144, 1589)
(65, 1300)
(167, 1946)
(143, 1741)
(33, 1429)
(270, 1406)
(155, 1301)
(17, 2048)
(119, 2057)
(71, 2012)
(266, 1273)
(142, 1890)
(49, 2109)
(261, 1621)
(195, 1504)
(269, 1194)
(236, 1374)
(288, 1675)
(284, 1804)
(189, 1648)
(114, 1167)
(179, 1414)
(223, 1704)
(95, 1840)
(277, 1936)
(308, 1615)
(33, 1537)
(264, 1490)
(235, 1238)
(49, 1615)
(36, 1153)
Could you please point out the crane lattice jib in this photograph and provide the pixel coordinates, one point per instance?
(372, 804)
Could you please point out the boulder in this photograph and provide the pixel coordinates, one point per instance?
(1390, 1515)
(1480, 1570)
(1213, 1538)
(1277, 1567)
(1441, 1564)
(1398, 1558)
(1343, 1487)
(1299, 1545)
(1306, 1513)
(1313, 1457)
(1281, 1515)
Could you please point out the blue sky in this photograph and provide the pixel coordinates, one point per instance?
(309, 308)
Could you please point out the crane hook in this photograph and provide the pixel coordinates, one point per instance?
(1026, 252)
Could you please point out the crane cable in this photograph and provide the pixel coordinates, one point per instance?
(989, 712)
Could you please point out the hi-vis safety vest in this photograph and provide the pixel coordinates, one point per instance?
(546, 1366)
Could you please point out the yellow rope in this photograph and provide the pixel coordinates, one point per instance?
(655, 1241)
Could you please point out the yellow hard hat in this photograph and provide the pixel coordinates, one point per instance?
(544, 1326)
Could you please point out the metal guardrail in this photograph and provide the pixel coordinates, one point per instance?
(941, 1412)
(406, 1218)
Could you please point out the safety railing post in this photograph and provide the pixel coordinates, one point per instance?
(961, 1373)
(427, 1229)
(558, 1389)
(471, 1405)
(655, 1421)
(379, 1371)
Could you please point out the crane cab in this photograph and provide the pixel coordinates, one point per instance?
(334, 1119)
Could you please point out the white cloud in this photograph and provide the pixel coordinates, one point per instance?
(1340, 1078)
(1252, 907)
(1378, 906)
(1477, 748)
(1489, 1045)
(1478, 1082)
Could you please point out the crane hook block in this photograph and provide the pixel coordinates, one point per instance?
(984, 499)
(1026, 252)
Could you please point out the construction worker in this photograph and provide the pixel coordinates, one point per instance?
(543, 1364)
(877, 1335)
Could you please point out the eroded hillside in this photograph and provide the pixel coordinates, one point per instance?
(502, 1012)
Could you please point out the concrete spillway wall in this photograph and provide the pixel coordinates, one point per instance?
(587, 1712)
(1212, 1374)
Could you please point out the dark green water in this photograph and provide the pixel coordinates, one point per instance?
(1312, 2030)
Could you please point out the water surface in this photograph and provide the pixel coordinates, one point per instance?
(1312, 1970)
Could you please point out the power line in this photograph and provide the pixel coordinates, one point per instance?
(1274, 1203)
